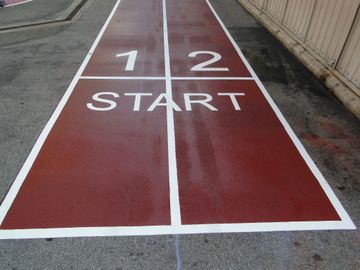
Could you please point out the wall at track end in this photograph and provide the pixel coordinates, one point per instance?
(330, 54)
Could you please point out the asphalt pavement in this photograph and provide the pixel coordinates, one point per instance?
(32, 12)
(36, 66)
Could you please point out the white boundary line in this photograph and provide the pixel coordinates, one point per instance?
(120, 78)
(16, 4)
(173, 176)
(40, 141)
(346, 220)
(171, 229)
(212, 78)
(164, 78)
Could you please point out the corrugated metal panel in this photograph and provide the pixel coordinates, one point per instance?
(298, 16)
(330, 24)
(259, 3)
(349, 62)
(276, 9)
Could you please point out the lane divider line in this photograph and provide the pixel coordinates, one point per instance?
(173, 175)
(15, 187)
(345, 218)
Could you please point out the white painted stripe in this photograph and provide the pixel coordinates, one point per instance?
(120, 78)
(164, 78)
(40, 141)
(172, 229)
(173, 177)
(16, 4)
(327, 189)
(213, 78)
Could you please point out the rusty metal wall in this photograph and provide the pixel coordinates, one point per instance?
(276, 9)
(298, 16)
(349, 62)
(330, 25)
(329, 29)
(260, 3)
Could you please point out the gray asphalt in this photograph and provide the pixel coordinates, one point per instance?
(36, 67)
(38, 10)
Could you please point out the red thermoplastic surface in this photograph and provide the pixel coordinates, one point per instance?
(166, 126)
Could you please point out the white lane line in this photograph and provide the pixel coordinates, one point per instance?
(346, 220)
(173, 177)
(164, 78)
(171, 229)
(213, 78)
(16, 4)
(4, 208)
(120, 78)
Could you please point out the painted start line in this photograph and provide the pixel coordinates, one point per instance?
(166, 129)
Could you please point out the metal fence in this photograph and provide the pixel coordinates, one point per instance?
(330, 29)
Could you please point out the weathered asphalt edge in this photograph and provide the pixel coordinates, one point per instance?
(65, 15)
(15, 36)
(336, 85)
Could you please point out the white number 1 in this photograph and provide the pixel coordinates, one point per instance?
(131, 59)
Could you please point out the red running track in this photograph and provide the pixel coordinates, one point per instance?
(166, 129)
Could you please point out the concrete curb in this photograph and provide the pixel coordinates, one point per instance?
(13, 36)
(335, 84)
(65, 15)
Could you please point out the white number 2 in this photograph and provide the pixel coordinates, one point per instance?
(216, 57)
(131, 59)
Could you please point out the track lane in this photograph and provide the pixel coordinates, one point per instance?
(137, 25)
(193, 28)
(105, 168)
(240, 166)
